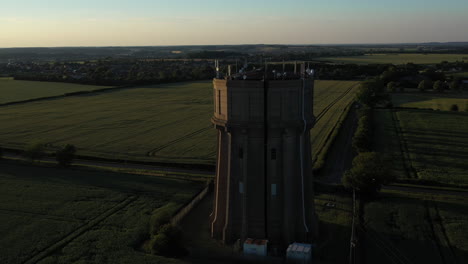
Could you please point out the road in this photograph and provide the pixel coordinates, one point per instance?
(118, 165)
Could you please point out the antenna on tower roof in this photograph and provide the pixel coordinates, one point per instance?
(217, 69)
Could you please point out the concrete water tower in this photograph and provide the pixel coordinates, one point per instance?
(264, 184)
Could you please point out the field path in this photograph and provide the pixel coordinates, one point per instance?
(81, 230)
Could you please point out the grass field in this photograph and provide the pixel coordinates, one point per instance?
(416, 228)
(425, 144)
(14, 91)
(398, 58)
(431, 101)
(165, 123)
(71, 216)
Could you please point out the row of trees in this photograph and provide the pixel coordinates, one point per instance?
(64, 156)
(440, 86)
(370, 170)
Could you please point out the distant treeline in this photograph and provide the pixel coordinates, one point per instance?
(115, 73)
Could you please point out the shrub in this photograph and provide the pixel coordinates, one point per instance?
(66, 155)
(34, 151)
(168, 242)
(363, 135)
(454, 108)
(161, 217)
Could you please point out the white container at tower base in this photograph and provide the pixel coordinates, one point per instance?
(255, 247)
(299, 253)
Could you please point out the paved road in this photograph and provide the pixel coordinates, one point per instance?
(334, 178)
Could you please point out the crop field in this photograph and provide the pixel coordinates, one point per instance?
(416, 228)
(164, 123)
(431, 101)
(51, 215)
(398, 58)
(14, 91)
(426, 145)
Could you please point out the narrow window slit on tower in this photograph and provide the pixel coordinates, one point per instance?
(273, 154)
(219, 102)
(241, 187)
(241, 153)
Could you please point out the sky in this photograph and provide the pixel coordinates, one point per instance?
(57, 23)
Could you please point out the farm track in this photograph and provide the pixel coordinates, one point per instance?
(81, 230)
(438, 234)
(410, 171)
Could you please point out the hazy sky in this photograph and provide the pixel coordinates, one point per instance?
(27, 23)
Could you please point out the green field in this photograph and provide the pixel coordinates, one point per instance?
(431, 101)
(165, 123)
(416, 228)
(424, 144)
(14, 91)
(93, 217)
(397, 58)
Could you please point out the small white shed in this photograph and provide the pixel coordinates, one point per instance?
(255, 247)
(299, 253)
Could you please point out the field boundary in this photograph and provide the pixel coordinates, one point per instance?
(191, 204)
(410, 171)
(81, 230)
(65, 95)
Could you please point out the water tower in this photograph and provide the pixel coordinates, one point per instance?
(264, 184)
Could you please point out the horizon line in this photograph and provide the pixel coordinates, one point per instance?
(245, 44)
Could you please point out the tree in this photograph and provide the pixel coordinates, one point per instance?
(371, 92)
(455, 85)
(368, 173)
(362, 137)
(454, 108)
(424, 85)
(391, 87)
(439, 86)
(34, 151)
(66, 155)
